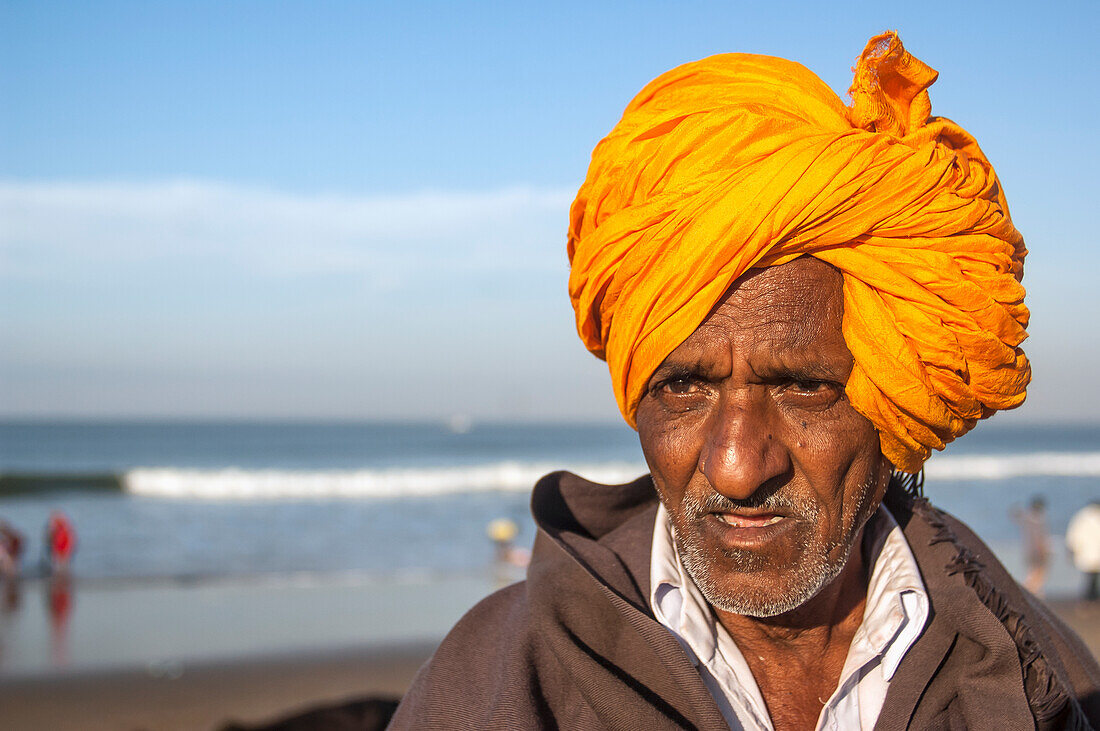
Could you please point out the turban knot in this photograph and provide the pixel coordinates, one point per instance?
(740, 161)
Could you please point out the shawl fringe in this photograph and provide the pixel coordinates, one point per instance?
(1050, 703)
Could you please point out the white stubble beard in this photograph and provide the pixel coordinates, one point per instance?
(809, 575)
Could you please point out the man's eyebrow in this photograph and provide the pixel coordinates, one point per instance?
(813, 370)
(689, 366)
(679, 368)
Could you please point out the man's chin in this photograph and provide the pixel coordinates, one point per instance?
(762, 605)
(755, 595)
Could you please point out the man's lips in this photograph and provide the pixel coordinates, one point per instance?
(748, 530)
(741, 520)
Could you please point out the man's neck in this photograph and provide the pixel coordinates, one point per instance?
(809, 644)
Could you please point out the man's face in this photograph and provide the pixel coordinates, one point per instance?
(766, 470)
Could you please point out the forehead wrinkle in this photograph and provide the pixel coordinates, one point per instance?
(792, 320)
(787, 317)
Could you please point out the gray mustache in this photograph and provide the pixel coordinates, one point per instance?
(713, 502)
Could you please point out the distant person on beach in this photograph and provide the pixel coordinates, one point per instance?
(502, 532)
(798, 300)
(11, 549)
(1033, 525)
(508, 560)
(1083, 541)
(60, 542)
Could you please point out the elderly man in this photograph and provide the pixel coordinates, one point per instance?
(797, 301)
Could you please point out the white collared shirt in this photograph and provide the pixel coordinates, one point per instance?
(893, 617)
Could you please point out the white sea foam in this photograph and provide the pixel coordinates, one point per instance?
(1004, 466)
(241, 484)
(238, 484)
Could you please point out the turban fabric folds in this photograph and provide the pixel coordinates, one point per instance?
(740, 161)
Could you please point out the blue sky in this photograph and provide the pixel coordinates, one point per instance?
(357, 210)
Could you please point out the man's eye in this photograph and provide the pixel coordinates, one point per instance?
(811, 386)
(810, 391)
(679, 386)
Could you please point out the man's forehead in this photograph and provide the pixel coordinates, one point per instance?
(793, 307)
(792, 285)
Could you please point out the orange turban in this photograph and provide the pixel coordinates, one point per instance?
(741, 161)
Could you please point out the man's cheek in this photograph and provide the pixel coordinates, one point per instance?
(670, 455)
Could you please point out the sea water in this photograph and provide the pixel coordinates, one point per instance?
(199, 501)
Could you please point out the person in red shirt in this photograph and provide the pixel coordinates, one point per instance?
(60, 542)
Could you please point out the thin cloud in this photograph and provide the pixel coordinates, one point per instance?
(51, 228)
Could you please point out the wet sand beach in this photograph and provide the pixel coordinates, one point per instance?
(172, 655)
(1083, 618)
(194, 676)
(208, 695)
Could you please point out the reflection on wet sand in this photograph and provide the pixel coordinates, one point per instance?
(59, 606)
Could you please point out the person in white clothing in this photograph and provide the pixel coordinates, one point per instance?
(1083, 540)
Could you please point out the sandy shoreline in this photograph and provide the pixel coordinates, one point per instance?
(206, 696)
(1083, 618)
(195, 655)
(207, 693)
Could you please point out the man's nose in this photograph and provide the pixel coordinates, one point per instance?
(743, 451)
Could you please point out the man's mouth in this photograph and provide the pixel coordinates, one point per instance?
(737, 520)
(749, 529)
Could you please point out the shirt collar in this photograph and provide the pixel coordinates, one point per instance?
(897, 601)
(676, 601)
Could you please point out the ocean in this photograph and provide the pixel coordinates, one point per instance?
(201, 501)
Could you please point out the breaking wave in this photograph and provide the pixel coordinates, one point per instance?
(237, 484)
(1005, 466)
